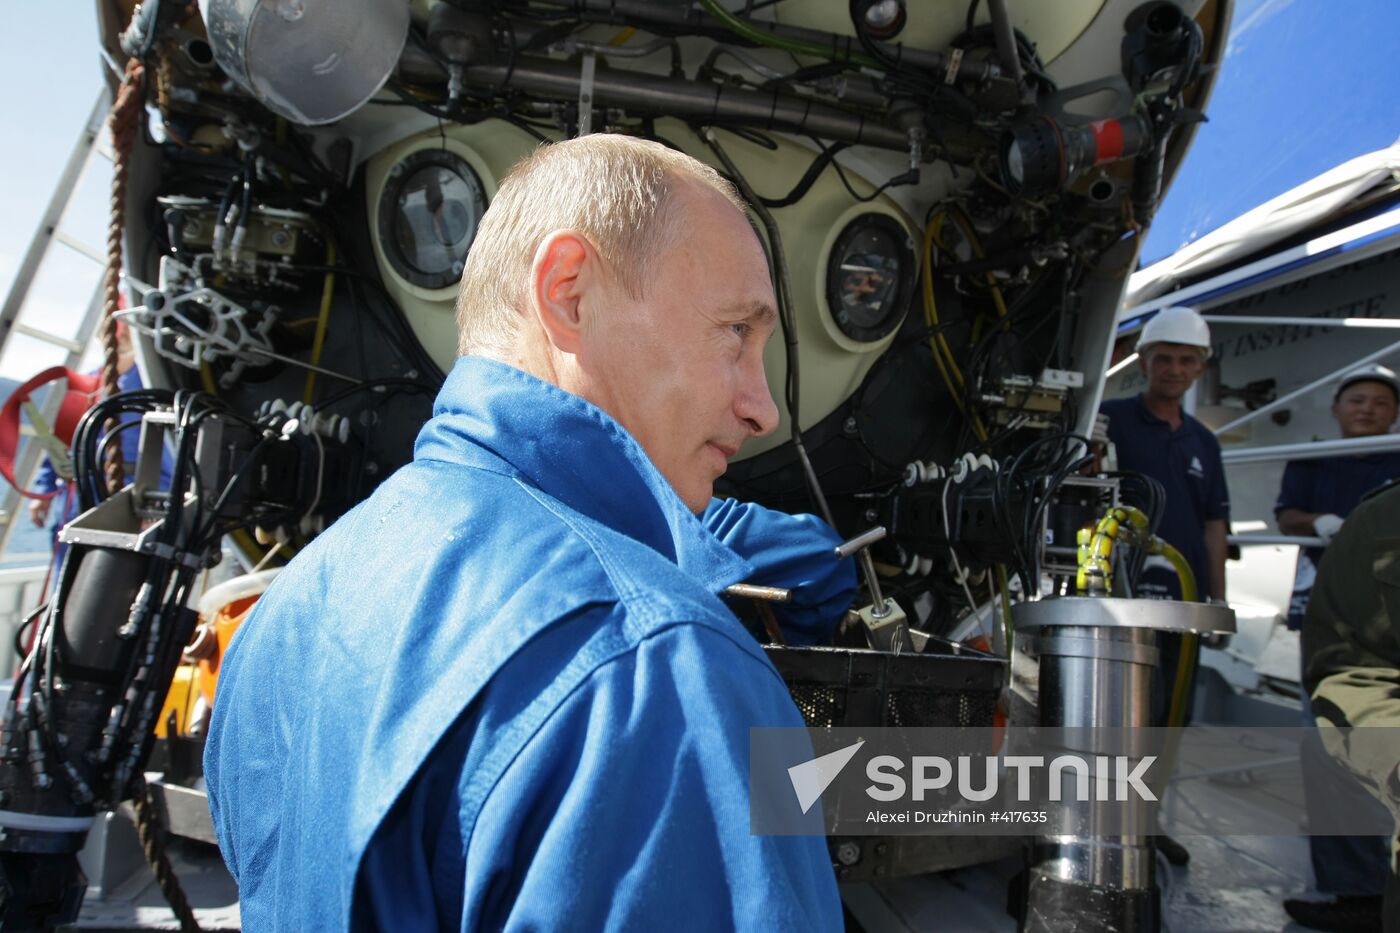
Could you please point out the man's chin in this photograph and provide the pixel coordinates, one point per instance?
(697, 499)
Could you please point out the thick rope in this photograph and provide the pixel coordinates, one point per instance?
(152, 836)
(123, 123)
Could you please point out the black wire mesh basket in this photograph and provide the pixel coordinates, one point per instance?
(940, 687)
(945, 686)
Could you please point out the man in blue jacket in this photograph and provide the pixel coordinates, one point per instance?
(501, 693)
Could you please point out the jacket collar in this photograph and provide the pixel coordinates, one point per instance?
(574, 452)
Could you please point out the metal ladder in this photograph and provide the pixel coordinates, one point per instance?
(89, 145)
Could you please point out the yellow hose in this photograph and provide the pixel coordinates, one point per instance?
(1189, 591)
(965, 225)
(1095, 572)
(1190, 642)
(318, 344)
(942, 353)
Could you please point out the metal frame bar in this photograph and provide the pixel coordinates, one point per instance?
(1385, 226)
(27, 463)
(1312, 450)
(77, 164)
(1300, 540)
(1379, 322)
(1304, 390)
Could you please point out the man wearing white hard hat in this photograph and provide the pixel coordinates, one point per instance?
(1155, 436)
(1315, 498)
(1318, 495)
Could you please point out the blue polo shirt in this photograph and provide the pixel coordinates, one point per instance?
(1334, 485)
(1186, 461)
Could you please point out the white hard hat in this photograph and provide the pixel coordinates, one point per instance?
(1373, 373)
(1176, 325)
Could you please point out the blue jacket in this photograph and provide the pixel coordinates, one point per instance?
(501, 694)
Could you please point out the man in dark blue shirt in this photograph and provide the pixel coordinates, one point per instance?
(1316, 497)
(1153, 435)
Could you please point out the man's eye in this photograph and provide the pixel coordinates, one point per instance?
(742, 328)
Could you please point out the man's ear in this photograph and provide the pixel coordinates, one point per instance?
(563, 268)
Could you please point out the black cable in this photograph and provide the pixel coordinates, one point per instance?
(113, 436)
(19, 635)
(867, 198)
(804, 184)
(527, 128)
(403, 385)
(783, 290)
(971, 20)
(395, 327)
(234, 481)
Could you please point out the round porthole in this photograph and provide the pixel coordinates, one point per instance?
(428, 215)
(870, 277)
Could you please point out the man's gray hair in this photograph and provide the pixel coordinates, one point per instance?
(617, 191)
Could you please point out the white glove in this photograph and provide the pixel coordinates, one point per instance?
(1099, 433)
(1327, 527)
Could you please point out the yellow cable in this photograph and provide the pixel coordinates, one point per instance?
(327, 291)
(965, 225)
(1190, 592)
(931, 318)
(1095, 571)
(622, 37)
(942, 352)
(1190, 642)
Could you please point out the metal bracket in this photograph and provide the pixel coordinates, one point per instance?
(585, 94)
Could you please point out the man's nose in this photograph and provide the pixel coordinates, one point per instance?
(755, 405)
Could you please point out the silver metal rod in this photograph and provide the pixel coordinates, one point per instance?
(568, 46)
(685, 17)
(1313, 450)
(1316, 383)
(683, 98)
(772, 594)
(1301, 541)
(1006, 39)
(872, 580)
(864, 539)
(1378, 322)
(860, 547)
(287, 359)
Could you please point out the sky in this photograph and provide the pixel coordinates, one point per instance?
(50, 68)
(1305, 86)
